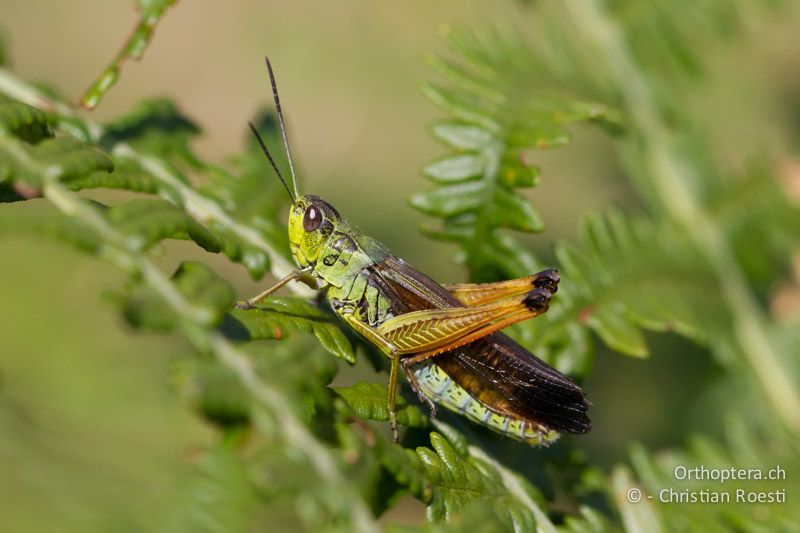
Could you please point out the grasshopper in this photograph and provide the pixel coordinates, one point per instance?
(445, 338)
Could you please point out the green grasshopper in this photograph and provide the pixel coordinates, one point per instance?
(445, 338)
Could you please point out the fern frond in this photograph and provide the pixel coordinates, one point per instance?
(459, 481)
(630, 274)
(51, 224)
(24, 121)
(194, 300)
(207, 293)
(276, 317)
(62, 157)
(451, 478)
(144, 160)
(156, 127)
(660, 41)
(742, 449)
(215, 392)
(494, 122)
(249, 191)
(368, 402)
(148, 221)
(761, 223)
(674, 180)
(219, 496)
(212, 390)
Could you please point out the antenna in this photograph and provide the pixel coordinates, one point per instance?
(280, 120)
(271, 161)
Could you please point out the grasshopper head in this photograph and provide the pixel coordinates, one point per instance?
(311, 222)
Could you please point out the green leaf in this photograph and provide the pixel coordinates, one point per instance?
(250, 191)
(67, 158)
(617, 330)
(518, 173)
(459, 481)
(514, 212)
(61, 158)
(470, 80)
(275, 317)
(455, 168)
(451, 200)
(460, 135)
(254, 259)
(631, 275)
(252, 195)
(51, 224)
(368, 401)
(203, 287)
(212, 390)
(462, 106)
(126, 175)
(219, 496)
(26, 122)
(495, 115)
(209, 295)
(741, 447)
(761, 222)
(148, 221)
(156, 127)
(542, 131)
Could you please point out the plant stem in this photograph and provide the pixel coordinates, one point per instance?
(671, 175)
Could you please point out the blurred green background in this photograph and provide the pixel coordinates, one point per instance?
(92, 435)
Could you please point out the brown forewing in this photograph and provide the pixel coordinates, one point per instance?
(503, 375)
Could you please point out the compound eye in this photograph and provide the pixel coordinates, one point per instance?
(312, 218)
